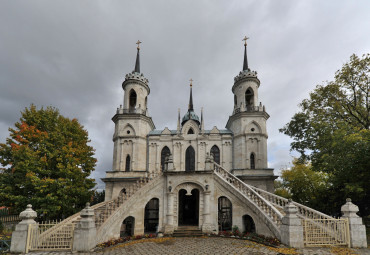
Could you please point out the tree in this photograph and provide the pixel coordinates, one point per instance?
(303, 185)
(332, 130)
(47, 162)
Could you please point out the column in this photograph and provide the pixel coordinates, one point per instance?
(207, 225)
(169, 227)
(357, 230)
(19, 236)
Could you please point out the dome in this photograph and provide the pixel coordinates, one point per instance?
(190, 115)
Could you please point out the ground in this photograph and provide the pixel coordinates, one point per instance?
(208, 245)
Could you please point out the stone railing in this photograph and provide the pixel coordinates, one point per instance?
(303, 211)
(105, 209)
(267, 208)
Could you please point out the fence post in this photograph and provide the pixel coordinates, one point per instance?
(291, 229)
(357, 230)
(19, 236)
(85, 231)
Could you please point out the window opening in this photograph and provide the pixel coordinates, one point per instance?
(249, 97)
(133, 98)
(253, 164)
(191, 131)
(215, 152)
(128, 163)
(164, 154)
(190, 159)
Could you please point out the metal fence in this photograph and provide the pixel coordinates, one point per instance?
(321, 232)
(39, 238)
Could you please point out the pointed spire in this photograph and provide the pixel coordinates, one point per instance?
(178, 122)
(191, 108)
(245, 63)
(201, 121)
(137, 64)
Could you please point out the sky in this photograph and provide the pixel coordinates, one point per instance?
(73, 55)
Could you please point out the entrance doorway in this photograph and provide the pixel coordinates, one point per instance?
(189, 208)
(127, 227)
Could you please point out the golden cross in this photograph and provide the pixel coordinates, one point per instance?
(245, 40)
(138, 44)
(191, 82)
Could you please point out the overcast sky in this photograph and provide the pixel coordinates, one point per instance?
(73, 55)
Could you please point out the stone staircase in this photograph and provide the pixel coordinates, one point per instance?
(187, 231)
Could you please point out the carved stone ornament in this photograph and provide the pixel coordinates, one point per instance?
(28, 214)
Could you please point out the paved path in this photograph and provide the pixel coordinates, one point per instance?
(211, 246)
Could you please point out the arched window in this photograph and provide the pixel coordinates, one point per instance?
(249, 97)
(215, 152)
(165, 153)
(190, 159)
(225, 214)
(133, 98)
(128, 163)
(253, 163)
(191, 131)
(151, 216)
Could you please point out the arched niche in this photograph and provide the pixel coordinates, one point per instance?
(127, 227)
(248, 224)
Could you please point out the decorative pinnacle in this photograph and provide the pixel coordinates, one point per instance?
(138, 44)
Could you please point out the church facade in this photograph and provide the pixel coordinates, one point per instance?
(185, 158)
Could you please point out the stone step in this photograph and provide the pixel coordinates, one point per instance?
(186, 231)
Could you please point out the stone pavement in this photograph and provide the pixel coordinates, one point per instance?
(207, 245)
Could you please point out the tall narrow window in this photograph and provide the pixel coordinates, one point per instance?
(249, 97)
(128, 163)
(165, 153)
(253, 163)
(133, 98)
(215, 152)
(190, 159)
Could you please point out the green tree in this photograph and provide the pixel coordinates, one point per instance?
(332, 130)
(47, 162)
(303, 185)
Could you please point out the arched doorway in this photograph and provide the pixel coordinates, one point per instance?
(248, 224)
(188, 208)
(215, 152)
(128, 227)
(190, 159)
(165, 153)
(225, 214)
(151, 216)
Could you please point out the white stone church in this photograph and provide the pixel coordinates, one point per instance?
(181, 155)
(190, 180)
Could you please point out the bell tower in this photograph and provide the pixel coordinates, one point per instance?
(248, 124)
(132, 123)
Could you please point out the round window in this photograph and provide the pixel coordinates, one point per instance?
(252, 129)
(128, 132)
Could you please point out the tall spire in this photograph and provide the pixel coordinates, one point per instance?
(137, 64)
(191, 108)
(245, 63)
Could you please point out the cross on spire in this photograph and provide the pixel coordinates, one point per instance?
(191, 82)
(138, 44)
(245, 40)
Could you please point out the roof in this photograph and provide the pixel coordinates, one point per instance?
(174, 132)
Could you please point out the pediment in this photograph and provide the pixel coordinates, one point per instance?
(166, 131)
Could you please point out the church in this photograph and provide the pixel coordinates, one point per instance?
(180, 156)
(190, 181)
